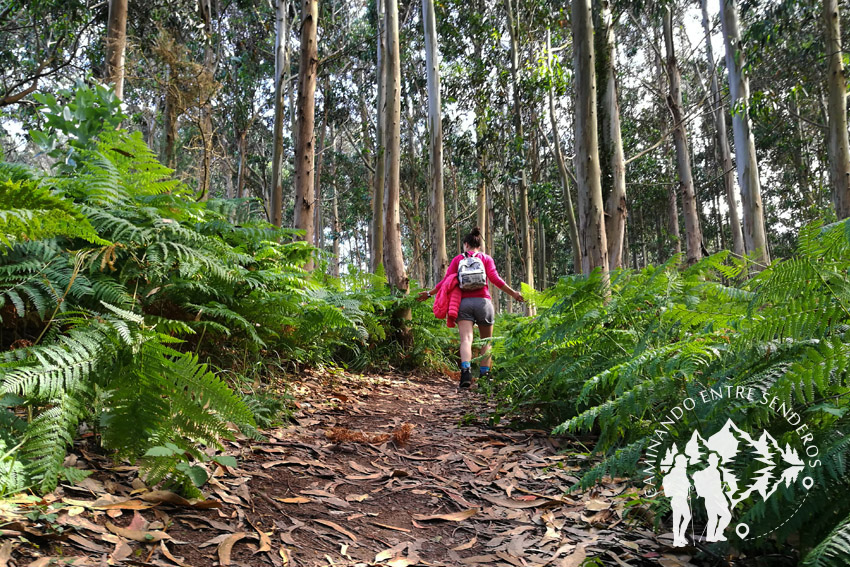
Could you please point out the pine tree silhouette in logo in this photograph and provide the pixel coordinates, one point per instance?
(712, 467)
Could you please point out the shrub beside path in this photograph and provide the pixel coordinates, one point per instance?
(373, 470)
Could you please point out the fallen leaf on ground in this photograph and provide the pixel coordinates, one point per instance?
(337, 527)
(453, 517)
(467, 545)
(137, 535)
(226, 546)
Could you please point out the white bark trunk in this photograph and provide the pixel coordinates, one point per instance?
(755, 238)
(693, 233)
(594, 252)
(281, 69)
(726, 164)
(612, 142)
(393, 259)
(437, 203)
(837, 140)
(306, 105)
(116, 45)
(377, 228)
(575, 243)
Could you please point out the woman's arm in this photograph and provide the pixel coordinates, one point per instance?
(493, 276)
(423, 295)
(512, 292)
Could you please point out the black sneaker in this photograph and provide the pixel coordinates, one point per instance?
(465, 378)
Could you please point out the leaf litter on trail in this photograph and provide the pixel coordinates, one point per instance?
(476, 495)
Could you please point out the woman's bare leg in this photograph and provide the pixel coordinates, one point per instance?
(486, 331)
(466, 329)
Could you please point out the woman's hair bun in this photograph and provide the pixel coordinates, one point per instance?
(476, 231)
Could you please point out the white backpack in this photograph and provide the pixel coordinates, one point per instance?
(470, 273)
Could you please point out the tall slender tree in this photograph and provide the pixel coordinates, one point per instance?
(561, 162)
(306, 107)
(281, 72)
(719, 115)
(594, 252)
(693, 232)
(613, 162)
(755, 237)
(437, 202)
(393, 257)
(837, 141)
(116, 45)
(377, 227)
(519, 139)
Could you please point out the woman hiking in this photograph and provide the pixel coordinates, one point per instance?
(463, 295)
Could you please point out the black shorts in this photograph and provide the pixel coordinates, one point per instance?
(479, 310)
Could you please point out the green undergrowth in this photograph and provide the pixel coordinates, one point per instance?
(612, 368)
(161, 323)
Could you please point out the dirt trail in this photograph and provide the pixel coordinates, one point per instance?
(375, 470)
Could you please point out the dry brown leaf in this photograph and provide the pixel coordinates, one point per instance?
(453, 517)
(467, 545)
(389, 527)
(142, 536)
(337, 527)
(576, 558)
(6, 553)
(294, 500)
(359, 468)
(171, 557)
(122, 551)
(226, 547)
(478, 559)
(512, 503)
(597, 505)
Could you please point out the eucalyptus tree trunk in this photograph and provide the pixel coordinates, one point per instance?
(575, 243)
(335, 224)
(281, 69)
(437, 202)
(306, 107)
(205, 125)
(519, 137)
(320, 160)
(490, 242)
(377, 227)
(116, 45)
(613, 162)
(726, 163)
(837, 140)
(393, 258)
(242, 169)
(594, 253)
(755, 238)
(693, 232)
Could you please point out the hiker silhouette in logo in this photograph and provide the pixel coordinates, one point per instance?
(709, 485)
(677, 486)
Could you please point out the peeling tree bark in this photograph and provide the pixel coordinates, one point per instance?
(693, 232)
(755, 238)
(726, 163)
(393, 258)
(519, 136)
(280, 76)
(437, 200)
(306, 108)
(116, 45)
(837, 140)
(612, 159)
(377, 227)
(594, 252)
